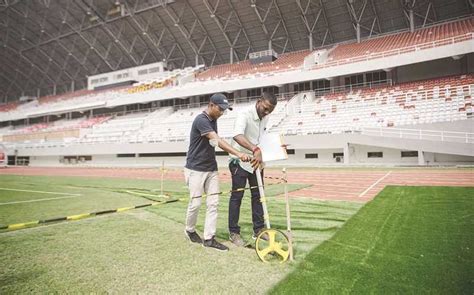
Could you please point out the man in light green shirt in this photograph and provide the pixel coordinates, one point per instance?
(249, 126)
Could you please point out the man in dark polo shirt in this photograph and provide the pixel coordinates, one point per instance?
(201, 170)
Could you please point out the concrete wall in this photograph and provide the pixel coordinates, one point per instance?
(434, 152)
(325, 157)
(452, 159)
(46, 161)
(357, 157)
(470, 62)
(433, 69)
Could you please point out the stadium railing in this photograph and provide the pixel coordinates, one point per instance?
(435, 135)
(398, 51)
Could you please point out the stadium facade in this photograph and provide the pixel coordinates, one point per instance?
(399, 97)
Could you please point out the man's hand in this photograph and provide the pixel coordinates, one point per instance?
(244, 157)
(255, 164)
(257, 158)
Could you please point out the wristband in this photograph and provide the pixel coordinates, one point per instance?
(255, 149)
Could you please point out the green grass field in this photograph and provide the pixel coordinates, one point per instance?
(142, 250)
(409, 240)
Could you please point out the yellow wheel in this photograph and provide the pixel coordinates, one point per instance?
(272, 246)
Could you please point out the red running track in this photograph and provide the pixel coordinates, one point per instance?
(328, 184)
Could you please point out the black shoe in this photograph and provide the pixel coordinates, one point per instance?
(212, 243)
(193, 237)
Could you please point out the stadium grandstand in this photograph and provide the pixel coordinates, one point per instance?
(118, 83)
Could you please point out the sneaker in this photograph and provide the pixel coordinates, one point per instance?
(212, 243)
(193, 237)
(236, 239)
(263, 237)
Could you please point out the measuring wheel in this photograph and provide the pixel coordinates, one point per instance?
(272, 245)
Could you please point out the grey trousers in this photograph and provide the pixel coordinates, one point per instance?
(200, 183)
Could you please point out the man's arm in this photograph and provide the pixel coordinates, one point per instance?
(227, 147)
(244, 142)
(240, 126)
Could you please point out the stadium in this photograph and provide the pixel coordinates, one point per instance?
(375, 103)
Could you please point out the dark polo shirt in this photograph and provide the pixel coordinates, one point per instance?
(201, 155)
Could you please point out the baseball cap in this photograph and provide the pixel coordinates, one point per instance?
(221, 100)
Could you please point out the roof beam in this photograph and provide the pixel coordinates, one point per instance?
(103, 23)
(37, 48)
(6, 4)
(92, 47)
(328, 31)
(288, 39)
(12, 83)
(408, 7)
(99, 24)
(143, 32)
(356, 17)
(15, 68)
(177, 20)
(430, 7)
(266, 30)
(183, 30)
(232, 42)
(175, 41)
(376, 19)
(46, 75)
(205, 32)
(243, 29)
(309, 25)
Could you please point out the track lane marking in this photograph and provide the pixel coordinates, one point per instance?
(38, 200)
(374, 184)
(39, 192)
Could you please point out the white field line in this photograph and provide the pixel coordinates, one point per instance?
(374, 184)
(38, 200)
(39, 192)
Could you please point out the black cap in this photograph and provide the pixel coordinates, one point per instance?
(221, 100)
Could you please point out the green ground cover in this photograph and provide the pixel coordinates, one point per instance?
(408, 240)
(142, 250)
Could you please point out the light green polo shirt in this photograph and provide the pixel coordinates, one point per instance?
(249, 124)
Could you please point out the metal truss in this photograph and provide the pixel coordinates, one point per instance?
(356, 18)
(102, 21)
(194, 32)
(165, 32)
(56, 44)
(228, 22)
(421, 10)
(84, 32)
(4, 4)
(36, 51)
(310, 21)
(277, 34)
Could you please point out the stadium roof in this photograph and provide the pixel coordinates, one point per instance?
(60, 42)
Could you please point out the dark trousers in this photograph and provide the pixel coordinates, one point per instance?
(239, 180)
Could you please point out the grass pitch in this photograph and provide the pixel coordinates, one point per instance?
(407, 240)
(143, 250)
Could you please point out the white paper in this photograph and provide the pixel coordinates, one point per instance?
(271, 147)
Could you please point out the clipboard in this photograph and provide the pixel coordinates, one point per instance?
(271, 147)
